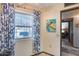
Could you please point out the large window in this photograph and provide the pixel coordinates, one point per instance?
(23, 25)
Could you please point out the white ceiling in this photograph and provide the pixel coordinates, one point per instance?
(40, 5)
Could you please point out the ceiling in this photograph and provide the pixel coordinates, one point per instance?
(40, 5)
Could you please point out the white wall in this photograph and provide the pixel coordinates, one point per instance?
(23, 47)
(76, 32)
(51, 41)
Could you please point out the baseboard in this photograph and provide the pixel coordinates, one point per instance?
(47, 53)
(42, 52)
(36, 54)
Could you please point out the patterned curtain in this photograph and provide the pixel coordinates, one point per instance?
(7, 29)
(36, 32)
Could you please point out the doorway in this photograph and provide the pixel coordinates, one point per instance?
(67, 35)
(68, 32)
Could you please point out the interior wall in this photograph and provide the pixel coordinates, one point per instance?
(51, 40)
(23, 47)
(75, 15)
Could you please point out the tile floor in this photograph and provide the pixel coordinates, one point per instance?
(68, 50)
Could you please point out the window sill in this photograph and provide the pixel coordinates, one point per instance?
(19, 39)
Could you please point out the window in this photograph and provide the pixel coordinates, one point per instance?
(64, 26)
(23, 25)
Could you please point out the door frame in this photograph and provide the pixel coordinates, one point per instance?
(67, 10)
